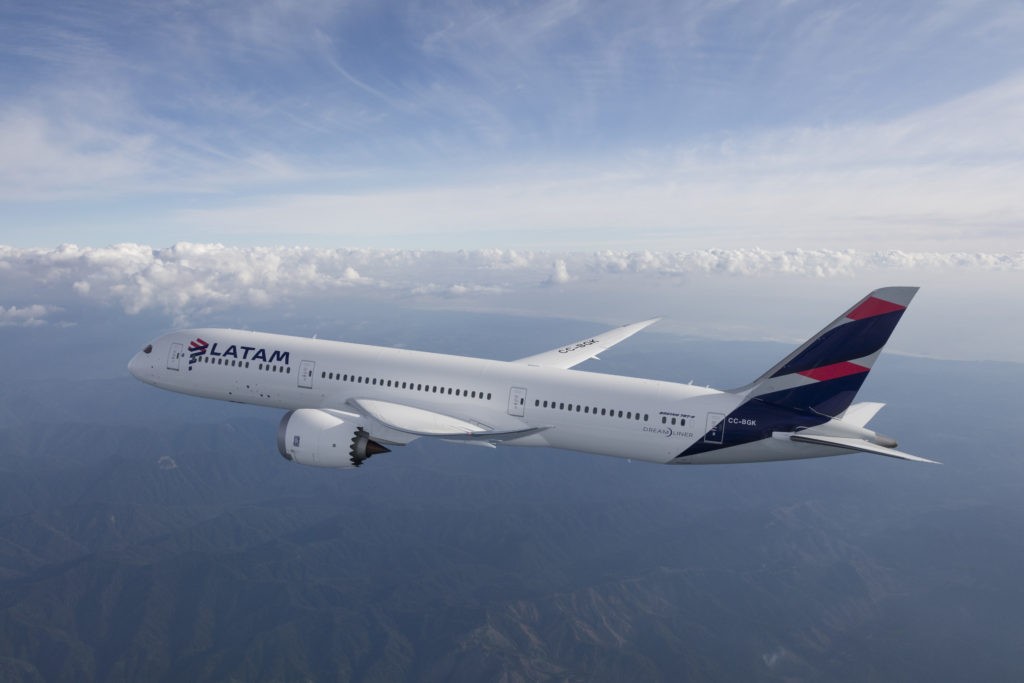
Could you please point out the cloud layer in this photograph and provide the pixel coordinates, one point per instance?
(962, 311)
(189, 280)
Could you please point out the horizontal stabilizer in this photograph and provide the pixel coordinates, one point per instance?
(419, 422)
(857, 445)
(573, 354)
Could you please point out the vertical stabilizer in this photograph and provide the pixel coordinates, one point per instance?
(825, 373)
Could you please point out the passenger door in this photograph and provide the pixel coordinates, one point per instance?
(306, 369)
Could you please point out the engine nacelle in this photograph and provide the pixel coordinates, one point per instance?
(323, 438)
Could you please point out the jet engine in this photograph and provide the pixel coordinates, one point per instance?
(324, 438)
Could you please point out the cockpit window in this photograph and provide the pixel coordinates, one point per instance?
(148, 349)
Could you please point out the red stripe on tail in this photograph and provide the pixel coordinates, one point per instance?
(872, 307)
(834, 371)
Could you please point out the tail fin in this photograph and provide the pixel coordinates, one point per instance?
(825, 373)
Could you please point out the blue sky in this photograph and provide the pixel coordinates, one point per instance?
(552, 125)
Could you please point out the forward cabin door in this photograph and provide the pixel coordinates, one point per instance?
(517, 401)
(174, 356)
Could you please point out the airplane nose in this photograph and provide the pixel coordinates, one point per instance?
(141, 366)
(133, 366)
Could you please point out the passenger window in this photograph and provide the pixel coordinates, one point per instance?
(488, 397)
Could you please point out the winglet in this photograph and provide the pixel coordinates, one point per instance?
(859, 414)
(573, 354)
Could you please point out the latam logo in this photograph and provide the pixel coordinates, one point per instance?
(198, 348)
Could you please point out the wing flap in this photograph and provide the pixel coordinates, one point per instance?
(573, 354)
(420, 422)
(858, 445)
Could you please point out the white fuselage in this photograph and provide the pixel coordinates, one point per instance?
(627, 417)
(347, 402)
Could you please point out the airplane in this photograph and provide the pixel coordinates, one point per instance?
(347, 402)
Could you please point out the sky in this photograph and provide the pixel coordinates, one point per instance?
(567, 125)
(744, 169)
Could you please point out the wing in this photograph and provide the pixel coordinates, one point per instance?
(858, 445)
(585, 349)
(417, 422)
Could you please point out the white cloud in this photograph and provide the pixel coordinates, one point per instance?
(559, 273)
(33, 315)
